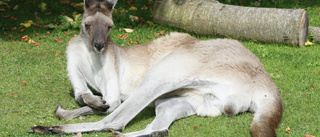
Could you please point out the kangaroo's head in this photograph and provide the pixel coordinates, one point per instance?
(97, 22)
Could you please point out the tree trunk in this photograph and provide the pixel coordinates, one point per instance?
(315, 31)
(209, 17)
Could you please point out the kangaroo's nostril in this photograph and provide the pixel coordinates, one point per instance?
(99, 46)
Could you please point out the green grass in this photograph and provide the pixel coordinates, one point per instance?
(43, 68)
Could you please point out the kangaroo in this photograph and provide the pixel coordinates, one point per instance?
(177, 74)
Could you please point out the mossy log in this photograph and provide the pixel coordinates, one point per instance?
(209, 17)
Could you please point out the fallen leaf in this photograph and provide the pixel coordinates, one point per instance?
(65, 33)
(59, 40)
(2, 9)
(150, 23)
(64, 1)
(37, 44)
(123, 37)
(79, 5)
(148, 37)
(308, 43)
(135, 18)
(141, 20)
(14, 18)
(14, 42)
(77, 17)
(22, 30)
(195, 127)
(36, 34)
(5, 33)
(128, 30)
(162, 32)
(137, 42)
(48, 13)
(57, 53)
(31, 41)
(14, 28)
(13, 95)
(42, 37)
(10, 36)
(129, 2)
(24, 38)
(42, 6)
(69, 19)
(6, 16)
(156, 34)
(133, 8)
(144, 8)
(16, 7)
(28, 23)
(36, 15)
(308, 136)
(314, 85)
(288, 130)
(311, 89)
(23, 83)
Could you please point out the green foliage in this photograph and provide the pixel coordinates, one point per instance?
(67, 22)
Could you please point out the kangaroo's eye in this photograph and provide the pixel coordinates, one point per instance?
(87, 26)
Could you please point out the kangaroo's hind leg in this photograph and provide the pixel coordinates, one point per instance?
(167, 111)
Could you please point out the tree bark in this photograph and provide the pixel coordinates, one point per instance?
(209, 17)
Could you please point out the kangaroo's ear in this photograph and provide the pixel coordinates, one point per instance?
(88, 3)
(110, 3)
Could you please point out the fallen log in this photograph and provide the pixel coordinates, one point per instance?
(315, 32)
(209, 17)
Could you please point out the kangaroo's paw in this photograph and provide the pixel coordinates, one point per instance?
(60, 113)
(46, 130)
(96, 102)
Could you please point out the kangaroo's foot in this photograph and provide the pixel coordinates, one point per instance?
(46, 130)
(96, 102)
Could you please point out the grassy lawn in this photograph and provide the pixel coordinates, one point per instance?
(33, 77)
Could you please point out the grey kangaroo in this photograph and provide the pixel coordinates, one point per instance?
(177, 74)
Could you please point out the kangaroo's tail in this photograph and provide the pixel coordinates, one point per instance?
(268, 111)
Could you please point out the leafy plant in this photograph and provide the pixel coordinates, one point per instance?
(67, 22)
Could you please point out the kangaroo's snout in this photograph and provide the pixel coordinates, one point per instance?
(98, 46)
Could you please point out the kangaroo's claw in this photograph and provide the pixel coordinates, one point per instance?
(46, 130)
